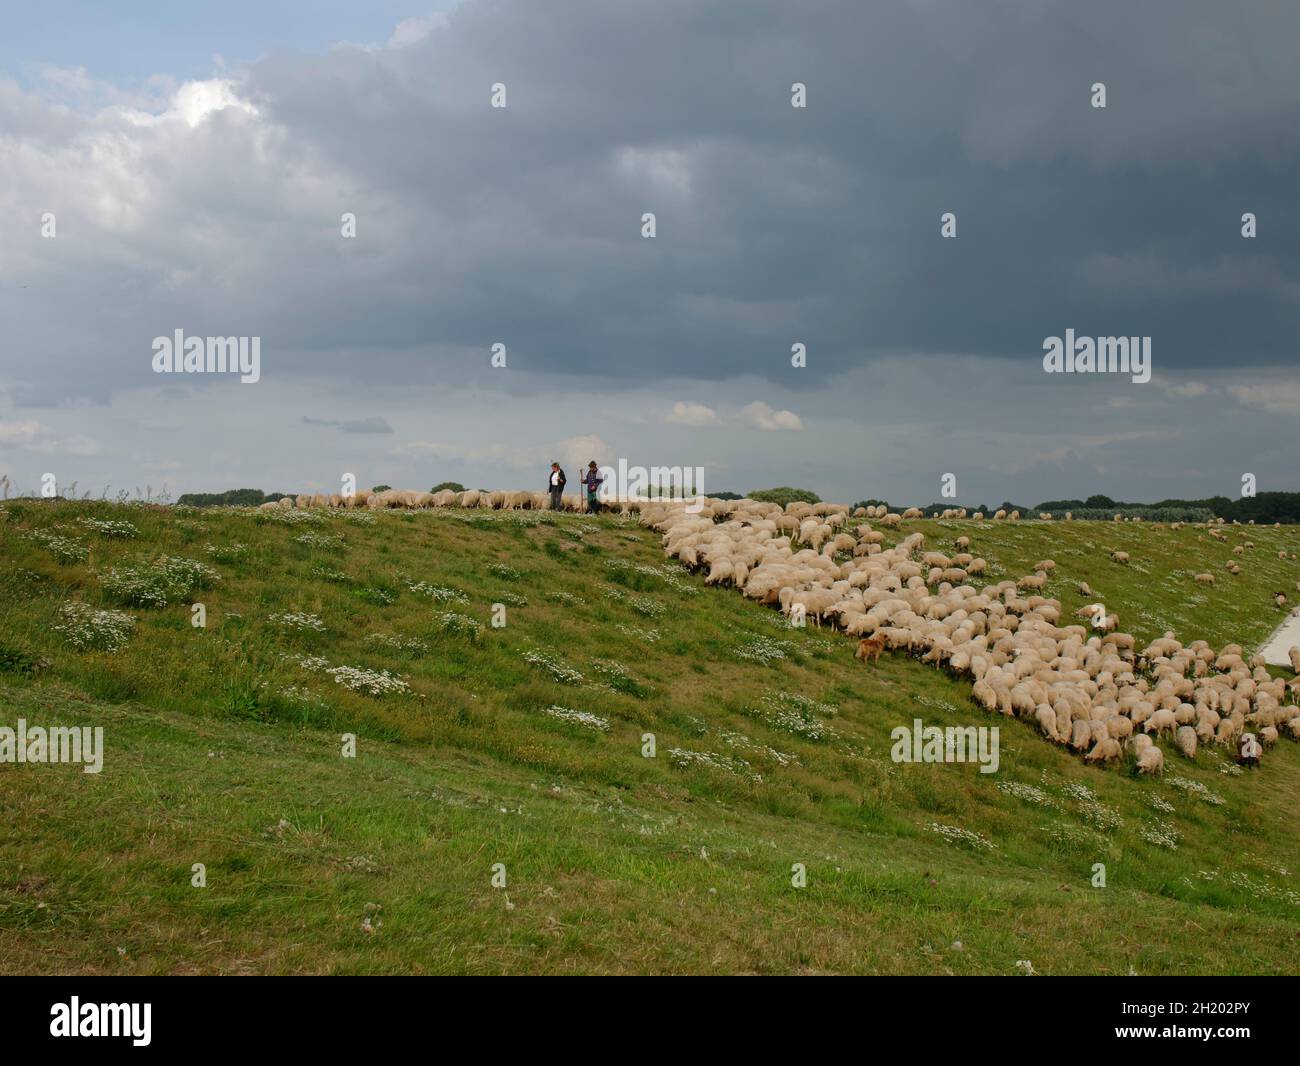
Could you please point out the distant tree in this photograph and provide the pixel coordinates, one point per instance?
(1099, 501)
(726, 495)
(784, 495)
(455, 486)
(229, 498)
(381, 488)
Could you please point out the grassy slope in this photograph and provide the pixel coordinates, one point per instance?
(615, 862)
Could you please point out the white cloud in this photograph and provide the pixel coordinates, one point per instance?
(1280, 397)
(666, 170)
(194, 101)
(1189, 389)
(413, 30)
(579, 451)
(73, 79)
(692, 414)
(372, 424)
(761, 416)
(37, 437)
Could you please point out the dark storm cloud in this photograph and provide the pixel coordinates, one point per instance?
(775, 225)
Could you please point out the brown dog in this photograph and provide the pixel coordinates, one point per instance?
(869, 648)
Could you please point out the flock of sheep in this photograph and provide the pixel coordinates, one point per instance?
(1086, 686)
(410, 500)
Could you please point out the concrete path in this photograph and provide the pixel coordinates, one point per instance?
(1286, 636)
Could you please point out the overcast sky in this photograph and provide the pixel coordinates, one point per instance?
(198, 164)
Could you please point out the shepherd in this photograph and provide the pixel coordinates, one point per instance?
(593, 481)
(556, 486)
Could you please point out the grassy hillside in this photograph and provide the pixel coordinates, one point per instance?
(523, 745)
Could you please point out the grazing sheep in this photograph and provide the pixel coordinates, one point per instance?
(1293, 653)
(1119, 557)
(1047, 721)
(1205, 579)
(1119, 727)
(1248, 751)
(1151, 761)
(843, 542)
(1105, 750)
(1185, 738)
(1161, 721)
(719, 570)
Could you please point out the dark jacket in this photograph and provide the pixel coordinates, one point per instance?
(593, 480)
(560, 483)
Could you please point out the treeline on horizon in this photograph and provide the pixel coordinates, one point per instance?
(255, 497)
(1265, 507)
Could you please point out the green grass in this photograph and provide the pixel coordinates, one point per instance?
(222, 749)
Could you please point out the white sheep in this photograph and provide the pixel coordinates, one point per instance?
(1151, 761)
(1163, 720)
(1105, 750)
